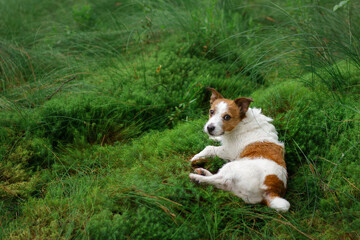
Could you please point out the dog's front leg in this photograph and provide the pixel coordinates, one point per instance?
(209, 151)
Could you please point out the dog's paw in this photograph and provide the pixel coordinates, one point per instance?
(196, 157)
(216, 139)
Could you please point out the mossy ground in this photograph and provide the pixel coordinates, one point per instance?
(106, 154)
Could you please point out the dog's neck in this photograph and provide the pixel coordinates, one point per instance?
(255, 127)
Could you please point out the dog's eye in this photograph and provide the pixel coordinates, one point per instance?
(227, 117)
(211, 112)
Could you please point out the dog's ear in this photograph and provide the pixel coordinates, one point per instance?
(243, 103)
(214, 95)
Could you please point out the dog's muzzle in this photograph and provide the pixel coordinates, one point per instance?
(210, 129)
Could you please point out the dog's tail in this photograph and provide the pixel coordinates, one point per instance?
(276, 202)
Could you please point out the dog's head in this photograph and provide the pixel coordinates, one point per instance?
(225, 114)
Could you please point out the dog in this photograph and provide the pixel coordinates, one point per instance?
(255, 170)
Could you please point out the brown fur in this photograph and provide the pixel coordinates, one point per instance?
(266, 150)
(236, 108)
(243, 104)
(233, 112)
(275, 188)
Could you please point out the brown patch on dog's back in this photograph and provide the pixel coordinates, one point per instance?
(266, 150)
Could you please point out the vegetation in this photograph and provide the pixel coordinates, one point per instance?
(103, 101)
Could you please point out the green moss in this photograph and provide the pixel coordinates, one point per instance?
(19, 176)
(107, 155)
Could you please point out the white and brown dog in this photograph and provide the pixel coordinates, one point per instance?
(256, 172)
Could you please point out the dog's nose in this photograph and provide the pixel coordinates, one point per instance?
(210, 128)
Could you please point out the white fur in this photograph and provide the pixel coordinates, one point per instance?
(243, 176)
(279, 204)
(256, 127)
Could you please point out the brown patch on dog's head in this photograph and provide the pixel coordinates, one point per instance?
(230, 112)
(232, 116)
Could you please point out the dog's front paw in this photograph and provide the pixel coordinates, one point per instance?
(216, 139)
(196, 157)
(202, 171)
(198, 162)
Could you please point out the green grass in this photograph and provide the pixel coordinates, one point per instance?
(103, 102)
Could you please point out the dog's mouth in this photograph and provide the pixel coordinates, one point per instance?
(215, 135)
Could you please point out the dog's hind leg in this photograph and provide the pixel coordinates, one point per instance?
(274, 189)
(217, 180)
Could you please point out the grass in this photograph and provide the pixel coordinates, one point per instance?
(103, 102)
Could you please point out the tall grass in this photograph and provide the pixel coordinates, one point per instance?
(105, 154)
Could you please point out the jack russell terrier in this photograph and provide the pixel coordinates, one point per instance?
(256, 171)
